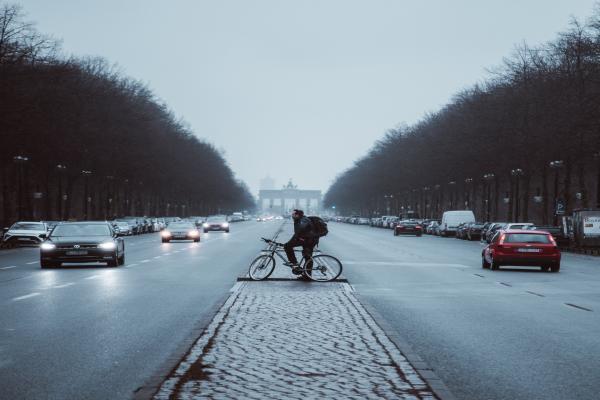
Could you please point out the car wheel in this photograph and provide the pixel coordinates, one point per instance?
(419, 235)
(48, 264)
(395, 233)
(205, 231)
(165, 240)
(121, 260)
(114, 262)
(555, 267)
(227, 231)
(196, 240)
(484, 264)
(494, 265)
(545, 268)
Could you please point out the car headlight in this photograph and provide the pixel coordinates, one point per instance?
(205, 225)
(107, 246)
(47, 246)
(165, 233)
(225, 225)
(193, 233)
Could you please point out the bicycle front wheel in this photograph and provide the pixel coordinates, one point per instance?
(262, 267)
(323, 268)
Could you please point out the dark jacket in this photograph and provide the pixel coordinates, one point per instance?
(303, 228)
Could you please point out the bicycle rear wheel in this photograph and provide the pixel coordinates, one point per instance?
(323, 268)
(262, 267)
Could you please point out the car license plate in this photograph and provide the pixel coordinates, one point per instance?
(529, 250)
(77, 253)
(24, 239)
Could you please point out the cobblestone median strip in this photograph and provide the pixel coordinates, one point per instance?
(294, 340)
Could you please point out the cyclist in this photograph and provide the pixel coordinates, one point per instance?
(304, 236)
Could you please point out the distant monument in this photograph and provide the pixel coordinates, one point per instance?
(289, 197)
(267, 183)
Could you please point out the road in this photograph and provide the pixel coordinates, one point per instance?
(97, 332)
(100, 333)
(505, 334)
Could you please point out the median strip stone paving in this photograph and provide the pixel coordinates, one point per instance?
(294, 340)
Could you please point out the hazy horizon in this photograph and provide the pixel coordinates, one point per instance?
(277, 84)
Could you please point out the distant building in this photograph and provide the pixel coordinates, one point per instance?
(267, 183)
(283, 201)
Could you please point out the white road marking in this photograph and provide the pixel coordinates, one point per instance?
(92, 277)
(130, 265)
(237, 287)
(145, 261)
(33, 262)
(167, 254)
(63, 285)
(157, 257)
(9, 267)
(27, 296)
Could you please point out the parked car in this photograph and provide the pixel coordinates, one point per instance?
(363, 221)
(216, 223)
(492, 230)
(180, 230)
(474, 230)
(432, 227)
(123, 228)
(518, 225)
(461, 230)
(82, 242)
(556, 232)
(521, 247)
(451, 220)
(24, 233)
(408, 228)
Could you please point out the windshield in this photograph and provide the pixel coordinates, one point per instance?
(28, 226)
(81, 230)
(216, 219)
(526, 238)
(181, 226)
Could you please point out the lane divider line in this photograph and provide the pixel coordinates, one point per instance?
(534, 293)
(63, 285)
(92, 277)
(9, 267)
(145, 261)
(130, 265)
(27, 296)
(33, 262)
(579, 307)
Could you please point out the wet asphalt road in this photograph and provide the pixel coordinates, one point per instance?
(505, 334)
(99, 333)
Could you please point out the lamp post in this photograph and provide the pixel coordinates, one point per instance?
(61, 168)
(425, 200)
(388, 198)
(597, 157)
(437, 199)
(556, 165)
(20, 161)
(517, 173)
(86, 199)
(452, 184)
(109, 200)
(468, 182)
(488, 178)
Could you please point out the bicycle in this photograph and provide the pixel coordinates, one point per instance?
(319, 268)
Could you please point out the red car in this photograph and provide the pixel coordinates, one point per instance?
(522, 248)
(408, 228)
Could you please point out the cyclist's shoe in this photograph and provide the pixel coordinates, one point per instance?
(290, 264)
(303, 277)
(297, 270)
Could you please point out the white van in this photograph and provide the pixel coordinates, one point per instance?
(451, 219)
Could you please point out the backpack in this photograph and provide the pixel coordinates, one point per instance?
(319, 227)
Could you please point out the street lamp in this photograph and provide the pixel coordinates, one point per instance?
(488, 178)
(517, 173)
(86, 199)
(387, 198)
(61, 168)
(452, 184)
(20, 161)
(468, 182)
(556, 166)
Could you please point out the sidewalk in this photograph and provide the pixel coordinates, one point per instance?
(294, 340)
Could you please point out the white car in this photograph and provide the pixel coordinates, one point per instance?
(452, 219)
(25, 232)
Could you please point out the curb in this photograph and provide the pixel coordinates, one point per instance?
(153, 384)
(424, 371)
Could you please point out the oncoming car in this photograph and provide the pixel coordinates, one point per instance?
(22, 233)
(522, 248)
(82, 242)
(180, 231)
(216, 223)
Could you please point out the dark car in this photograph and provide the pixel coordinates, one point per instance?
(82, 242)
(461, 230)
(522, 248)
(492, 229)
(475, 230)
(216, 223)
(408, 228)
(182, 230)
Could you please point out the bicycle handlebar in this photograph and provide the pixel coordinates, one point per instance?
(271, 241)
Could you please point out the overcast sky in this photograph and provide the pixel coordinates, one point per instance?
(300, 89)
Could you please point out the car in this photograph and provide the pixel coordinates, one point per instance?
(216, 223)
(493, 229)
(432, 227)
(181, 230)
(82, 242)
(363, 221)
(408, 228)
(522, 247)
(461, 230)
(451, 220)
(556, 232)
(474, 231)
(123, 228)
(518, 225)
(24, 233)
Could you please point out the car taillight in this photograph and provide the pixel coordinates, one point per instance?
(400, 226)
(502, 237)
(419, 227)
(552, 240)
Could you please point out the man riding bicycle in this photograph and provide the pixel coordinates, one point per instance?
(305, 236)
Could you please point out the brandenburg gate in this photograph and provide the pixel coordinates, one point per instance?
(288, 198)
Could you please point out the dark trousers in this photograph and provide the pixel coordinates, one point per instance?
(308, 246)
